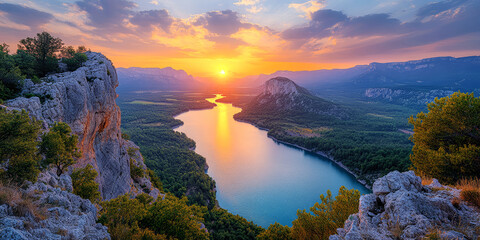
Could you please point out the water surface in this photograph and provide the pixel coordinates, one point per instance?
(258, 178)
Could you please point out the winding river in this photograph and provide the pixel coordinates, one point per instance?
(258, 178)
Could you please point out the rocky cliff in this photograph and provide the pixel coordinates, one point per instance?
(85, 100)
(48, 210)
(400, 207)
(282, 95)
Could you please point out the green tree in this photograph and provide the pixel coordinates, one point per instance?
(173, 217)
(276, 231)
(10, 75)
(43, 47)
(447, 138)
(18, 145)
(84, 185)
(59, 147)
(26, 63)
(327, 216)
(122, 215)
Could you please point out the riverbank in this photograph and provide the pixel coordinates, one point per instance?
(323, 154)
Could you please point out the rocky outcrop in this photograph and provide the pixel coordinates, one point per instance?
(50, 211)
(280, 95)
(85, 100)
(400, 207)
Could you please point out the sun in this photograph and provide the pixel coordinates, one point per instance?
(222, 73)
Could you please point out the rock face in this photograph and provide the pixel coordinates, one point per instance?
(400, 207)
(85, 100)
(281, 94)
(66, 216)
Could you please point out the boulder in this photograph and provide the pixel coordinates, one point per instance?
(400, 207)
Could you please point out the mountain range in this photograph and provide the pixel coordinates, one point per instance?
(152, 79)
(432, 73)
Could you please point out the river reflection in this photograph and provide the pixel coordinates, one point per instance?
(256, 177)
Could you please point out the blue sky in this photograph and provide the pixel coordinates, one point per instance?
(251, 36)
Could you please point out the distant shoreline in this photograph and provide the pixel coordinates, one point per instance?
(323, 154)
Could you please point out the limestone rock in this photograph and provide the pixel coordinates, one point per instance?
(66, 216)
(400, 207)
(85, 100)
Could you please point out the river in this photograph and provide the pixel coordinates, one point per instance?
(258, 178)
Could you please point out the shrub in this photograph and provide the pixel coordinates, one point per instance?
(76, 61)
(276, 231)
(18, 145)
(447, 138)
(173, 217)
(470, 190)
(155, 179)
(135, 171)
(125, 136)
(327, 216)
(84, 185)
(139, 218)
(59, 147)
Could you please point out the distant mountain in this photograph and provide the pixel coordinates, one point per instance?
(441, 72)
(433, 73)
(145, 79)
(281, 95)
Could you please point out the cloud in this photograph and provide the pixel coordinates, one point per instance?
(307, 8)
(252, 5)
(25, 15)
(221, 22)
(369, 25)
(438, 7)
(147, 19)
(246, 2)
(319, 26)
(106, 13)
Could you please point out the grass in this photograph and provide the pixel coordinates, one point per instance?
(23, 205)
(470, 191)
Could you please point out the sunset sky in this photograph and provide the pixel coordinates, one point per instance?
(248, 37)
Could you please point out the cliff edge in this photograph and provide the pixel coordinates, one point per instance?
(85, 100)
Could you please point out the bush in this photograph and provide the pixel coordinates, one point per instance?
(470, 190)
(327, 216)
(18, 146)
(447, 138)
(10, 74)
(84, 185)
(59, 147)
(135, 171)
(75, 61)
(276, 231)
(138, 218)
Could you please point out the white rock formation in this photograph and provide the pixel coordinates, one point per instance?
(67, 215)
(85, 100)
(400, 207)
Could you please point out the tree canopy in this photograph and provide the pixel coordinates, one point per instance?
(18, 145)
(59, 147)
(43, 48)
(447, 138)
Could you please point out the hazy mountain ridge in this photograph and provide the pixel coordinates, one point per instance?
(146, 79)
(438, 72)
